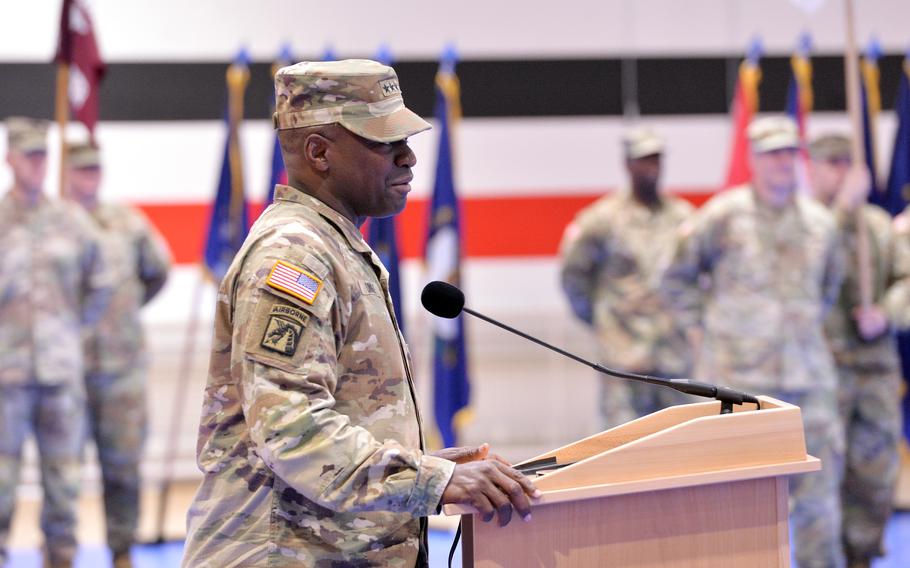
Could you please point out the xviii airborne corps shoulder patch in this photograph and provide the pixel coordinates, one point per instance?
(282, 334)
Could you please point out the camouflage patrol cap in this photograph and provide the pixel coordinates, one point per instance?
(81, 155)
(830, 147)
(640, 142)
(26, 135)
(359, 94)
(772, 133)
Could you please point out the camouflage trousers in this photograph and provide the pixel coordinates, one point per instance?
(54, 414)
(815, 511)
(622, 400)
(871, 411)
(117, 420)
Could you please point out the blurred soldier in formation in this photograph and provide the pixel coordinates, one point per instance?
(773, 268)
(864, 349)
(310, 441)
(613, 254)
(115, 358)
(53, 283)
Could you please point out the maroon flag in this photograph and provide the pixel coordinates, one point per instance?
(77, 48)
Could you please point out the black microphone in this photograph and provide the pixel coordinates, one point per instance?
(447, 301)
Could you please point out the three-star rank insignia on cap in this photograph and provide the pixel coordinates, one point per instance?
(389, 87)
(282, 334)
(294, 281)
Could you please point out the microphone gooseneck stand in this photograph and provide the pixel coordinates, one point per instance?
(444, 300)
(727, 396)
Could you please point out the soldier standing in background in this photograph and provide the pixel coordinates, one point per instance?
(53, 283)
(310, 440)
(772, 263)
(864, 349)
(612, 257)
(115, 358)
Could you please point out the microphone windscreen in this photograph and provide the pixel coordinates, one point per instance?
(442, 299)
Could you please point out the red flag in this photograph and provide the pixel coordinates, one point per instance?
(745, 105)
(77, 48)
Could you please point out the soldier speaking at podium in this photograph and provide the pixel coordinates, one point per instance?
(310, 440)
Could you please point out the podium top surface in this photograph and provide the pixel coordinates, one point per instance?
(685, 445)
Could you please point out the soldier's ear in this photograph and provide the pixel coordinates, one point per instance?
(315, 150)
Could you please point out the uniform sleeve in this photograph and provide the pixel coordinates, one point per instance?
(834, 270)
(683, 283)
(289, 383)
(97, 275)
(154, 258)
(896, 302)
(583, 253)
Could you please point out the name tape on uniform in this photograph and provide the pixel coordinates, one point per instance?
(294, 281)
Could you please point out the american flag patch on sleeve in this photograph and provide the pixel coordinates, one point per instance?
(294, 281)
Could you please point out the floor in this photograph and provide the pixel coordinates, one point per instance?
(168, 555)
(26, 538)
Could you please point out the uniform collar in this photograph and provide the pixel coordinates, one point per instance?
(639, 208)
(11, 199)
(350, 231)
(769, 210)
(14, 207)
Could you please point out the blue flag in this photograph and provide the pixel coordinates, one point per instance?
(799, 91)
(899, 174)
(229, 222)
(451, 388)
(800, 99)
(382, 239)
(871, 104)
(896, 192)
(381, 234)
(277, 173)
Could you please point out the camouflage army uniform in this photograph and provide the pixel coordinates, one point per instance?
(310, 439)
(115, 363)
(612, 257)
(773, 274)
(52, 282)
(870, 382)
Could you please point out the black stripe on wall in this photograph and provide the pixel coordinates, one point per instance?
(490, 88)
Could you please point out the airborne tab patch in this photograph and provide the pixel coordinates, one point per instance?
(294, 281)
(283, 330)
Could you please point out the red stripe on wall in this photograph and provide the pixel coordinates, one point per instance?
(492, 226)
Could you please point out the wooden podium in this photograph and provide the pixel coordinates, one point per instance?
(686, 486)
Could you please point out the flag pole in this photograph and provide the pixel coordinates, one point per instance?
(171, 449)
(237, 78)
(857, 152)
(62, 117)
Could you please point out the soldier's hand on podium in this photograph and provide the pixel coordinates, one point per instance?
(465, 454)
(492, 488)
